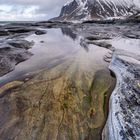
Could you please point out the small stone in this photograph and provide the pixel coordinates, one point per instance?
(40, 32)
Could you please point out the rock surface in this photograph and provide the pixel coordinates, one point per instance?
(24, 44)
(65, 102)
(40, 32)
(10, 56)
(124, 121)
(13, 46)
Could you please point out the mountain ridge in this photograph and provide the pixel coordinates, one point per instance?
(96, 9)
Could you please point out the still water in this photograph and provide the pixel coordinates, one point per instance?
(67, 89)
(56, 47)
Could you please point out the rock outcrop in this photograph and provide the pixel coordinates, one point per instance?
(13, 46)
(124, 121)
(12, 52)
(10, 56)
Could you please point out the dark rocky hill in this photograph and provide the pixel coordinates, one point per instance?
(95, 9)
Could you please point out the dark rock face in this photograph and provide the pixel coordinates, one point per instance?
(19, 30)
(93, 9)
(4, 33)
(10, 30)
(69, 8)
(124, 121)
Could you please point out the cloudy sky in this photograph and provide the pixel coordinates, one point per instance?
(29, 9)
(33, 9)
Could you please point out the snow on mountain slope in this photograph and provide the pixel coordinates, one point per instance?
(137, 3)
(96, 9)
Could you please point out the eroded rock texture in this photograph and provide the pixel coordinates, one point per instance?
(63, 103)
(12, 55)
(124, 120)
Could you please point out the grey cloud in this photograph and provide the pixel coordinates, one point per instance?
(48, 8)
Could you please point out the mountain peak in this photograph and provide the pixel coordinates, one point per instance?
(96, 9)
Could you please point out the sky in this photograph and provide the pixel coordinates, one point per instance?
(33, 10)
(29, 10)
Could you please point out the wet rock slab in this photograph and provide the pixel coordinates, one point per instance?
(60, 103)
(10, 30)
(9, 57)
(124, 121)
(24, 44)
(13, 52)
(13, 46)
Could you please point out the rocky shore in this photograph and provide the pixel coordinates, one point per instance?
(124, 121)
(12, 53)
(68, 99)
(13, 47)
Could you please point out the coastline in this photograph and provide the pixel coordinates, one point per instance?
(69, 81)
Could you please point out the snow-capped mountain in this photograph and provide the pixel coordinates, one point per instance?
(96, 9)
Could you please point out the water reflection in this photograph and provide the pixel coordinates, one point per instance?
(56, 47)
(66, 100)
(68, 32)
(68, 93)
(84, 44)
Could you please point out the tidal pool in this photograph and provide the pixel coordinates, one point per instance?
(67, 96)
(54, 48)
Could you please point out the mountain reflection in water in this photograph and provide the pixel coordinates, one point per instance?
(59, 46)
